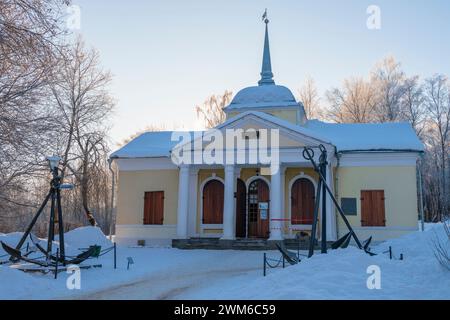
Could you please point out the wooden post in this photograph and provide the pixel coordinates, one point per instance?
(115, 256)
(264, 268)
(56, 264)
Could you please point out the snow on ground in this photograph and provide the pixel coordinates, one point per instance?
(167, 273)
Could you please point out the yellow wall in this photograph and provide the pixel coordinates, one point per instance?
(399, 185)
(289, 115)
(132, 187)
(245, 174)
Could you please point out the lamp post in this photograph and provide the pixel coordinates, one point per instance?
(55, 186)
(53, 162)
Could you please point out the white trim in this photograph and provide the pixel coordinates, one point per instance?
(331, 228)
(275, 122)
(183, 202)
(202, 186)
(263, 109)
(253, 178)
(128, 234)
(213, 226)
(146, 226)
(193, 196)
(378, 159)
(265, 120)
(388, 228)
(283, 190)
(302, 175)
(136, 164)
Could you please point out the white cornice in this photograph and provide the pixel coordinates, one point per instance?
(137, 164)
(378, 159)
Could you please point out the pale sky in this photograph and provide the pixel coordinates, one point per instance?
(169, 55)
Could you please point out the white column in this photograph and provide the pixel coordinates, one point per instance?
(193, 195)
(331, 214)
(229, 232)
(275, 206)
(183, 202)
(283, 199)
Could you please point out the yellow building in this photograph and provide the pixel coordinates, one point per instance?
(249, 178)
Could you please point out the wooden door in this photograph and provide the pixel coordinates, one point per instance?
(213, 202)
(154, 207)
(241, 204)
(372, 208)
(258, 222)
(302, 201)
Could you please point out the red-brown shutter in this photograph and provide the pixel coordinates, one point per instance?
(213, 202)
(302, 202)
(154, 207)
(372, 208)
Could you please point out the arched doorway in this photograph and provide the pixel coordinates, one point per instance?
(302, 201)
(241, 209)
(213, 202)
(258, 209)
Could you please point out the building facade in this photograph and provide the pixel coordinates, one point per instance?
(371, 170)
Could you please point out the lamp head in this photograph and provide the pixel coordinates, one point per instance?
(53, 162)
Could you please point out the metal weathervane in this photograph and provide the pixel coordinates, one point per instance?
(264, 17)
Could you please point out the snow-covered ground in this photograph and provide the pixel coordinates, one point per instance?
(167, 273)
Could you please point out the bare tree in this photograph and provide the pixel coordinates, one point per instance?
(354, 103)
(30, 41)
(413, 104)
(310, 98)
(211, 111)
(53, 99)
(438, 130)
(441, 245)
(83, 106)
(387, 81)
(149, 128)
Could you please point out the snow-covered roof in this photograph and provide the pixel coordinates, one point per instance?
(345, 137)
(147, 145)
(368, 136)
(263, 96)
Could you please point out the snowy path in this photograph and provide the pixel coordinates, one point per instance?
(167, 273)
(165, 286)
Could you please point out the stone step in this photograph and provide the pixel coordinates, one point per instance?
(238, 244)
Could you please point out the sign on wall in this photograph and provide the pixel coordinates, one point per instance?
(263, 209)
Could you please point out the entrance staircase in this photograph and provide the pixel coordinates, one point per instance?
(241, 244)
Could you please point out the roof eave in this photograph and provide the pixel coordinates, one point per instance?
(381, 150)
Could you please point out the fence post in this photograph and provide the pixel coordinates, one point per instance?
(283, 262)
(390, 252)
(115, 256)
(264, 268)
(56, 264)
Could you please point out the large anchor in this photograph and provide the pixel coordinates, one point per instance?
(56, 217)
(322, 190)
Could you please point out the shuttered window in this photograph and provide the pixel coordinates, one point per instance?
(372, 208)
(302, 202)
(213, 202)
(154, 207)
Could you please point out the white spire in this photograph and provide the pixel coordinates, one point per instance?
(266, 69)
